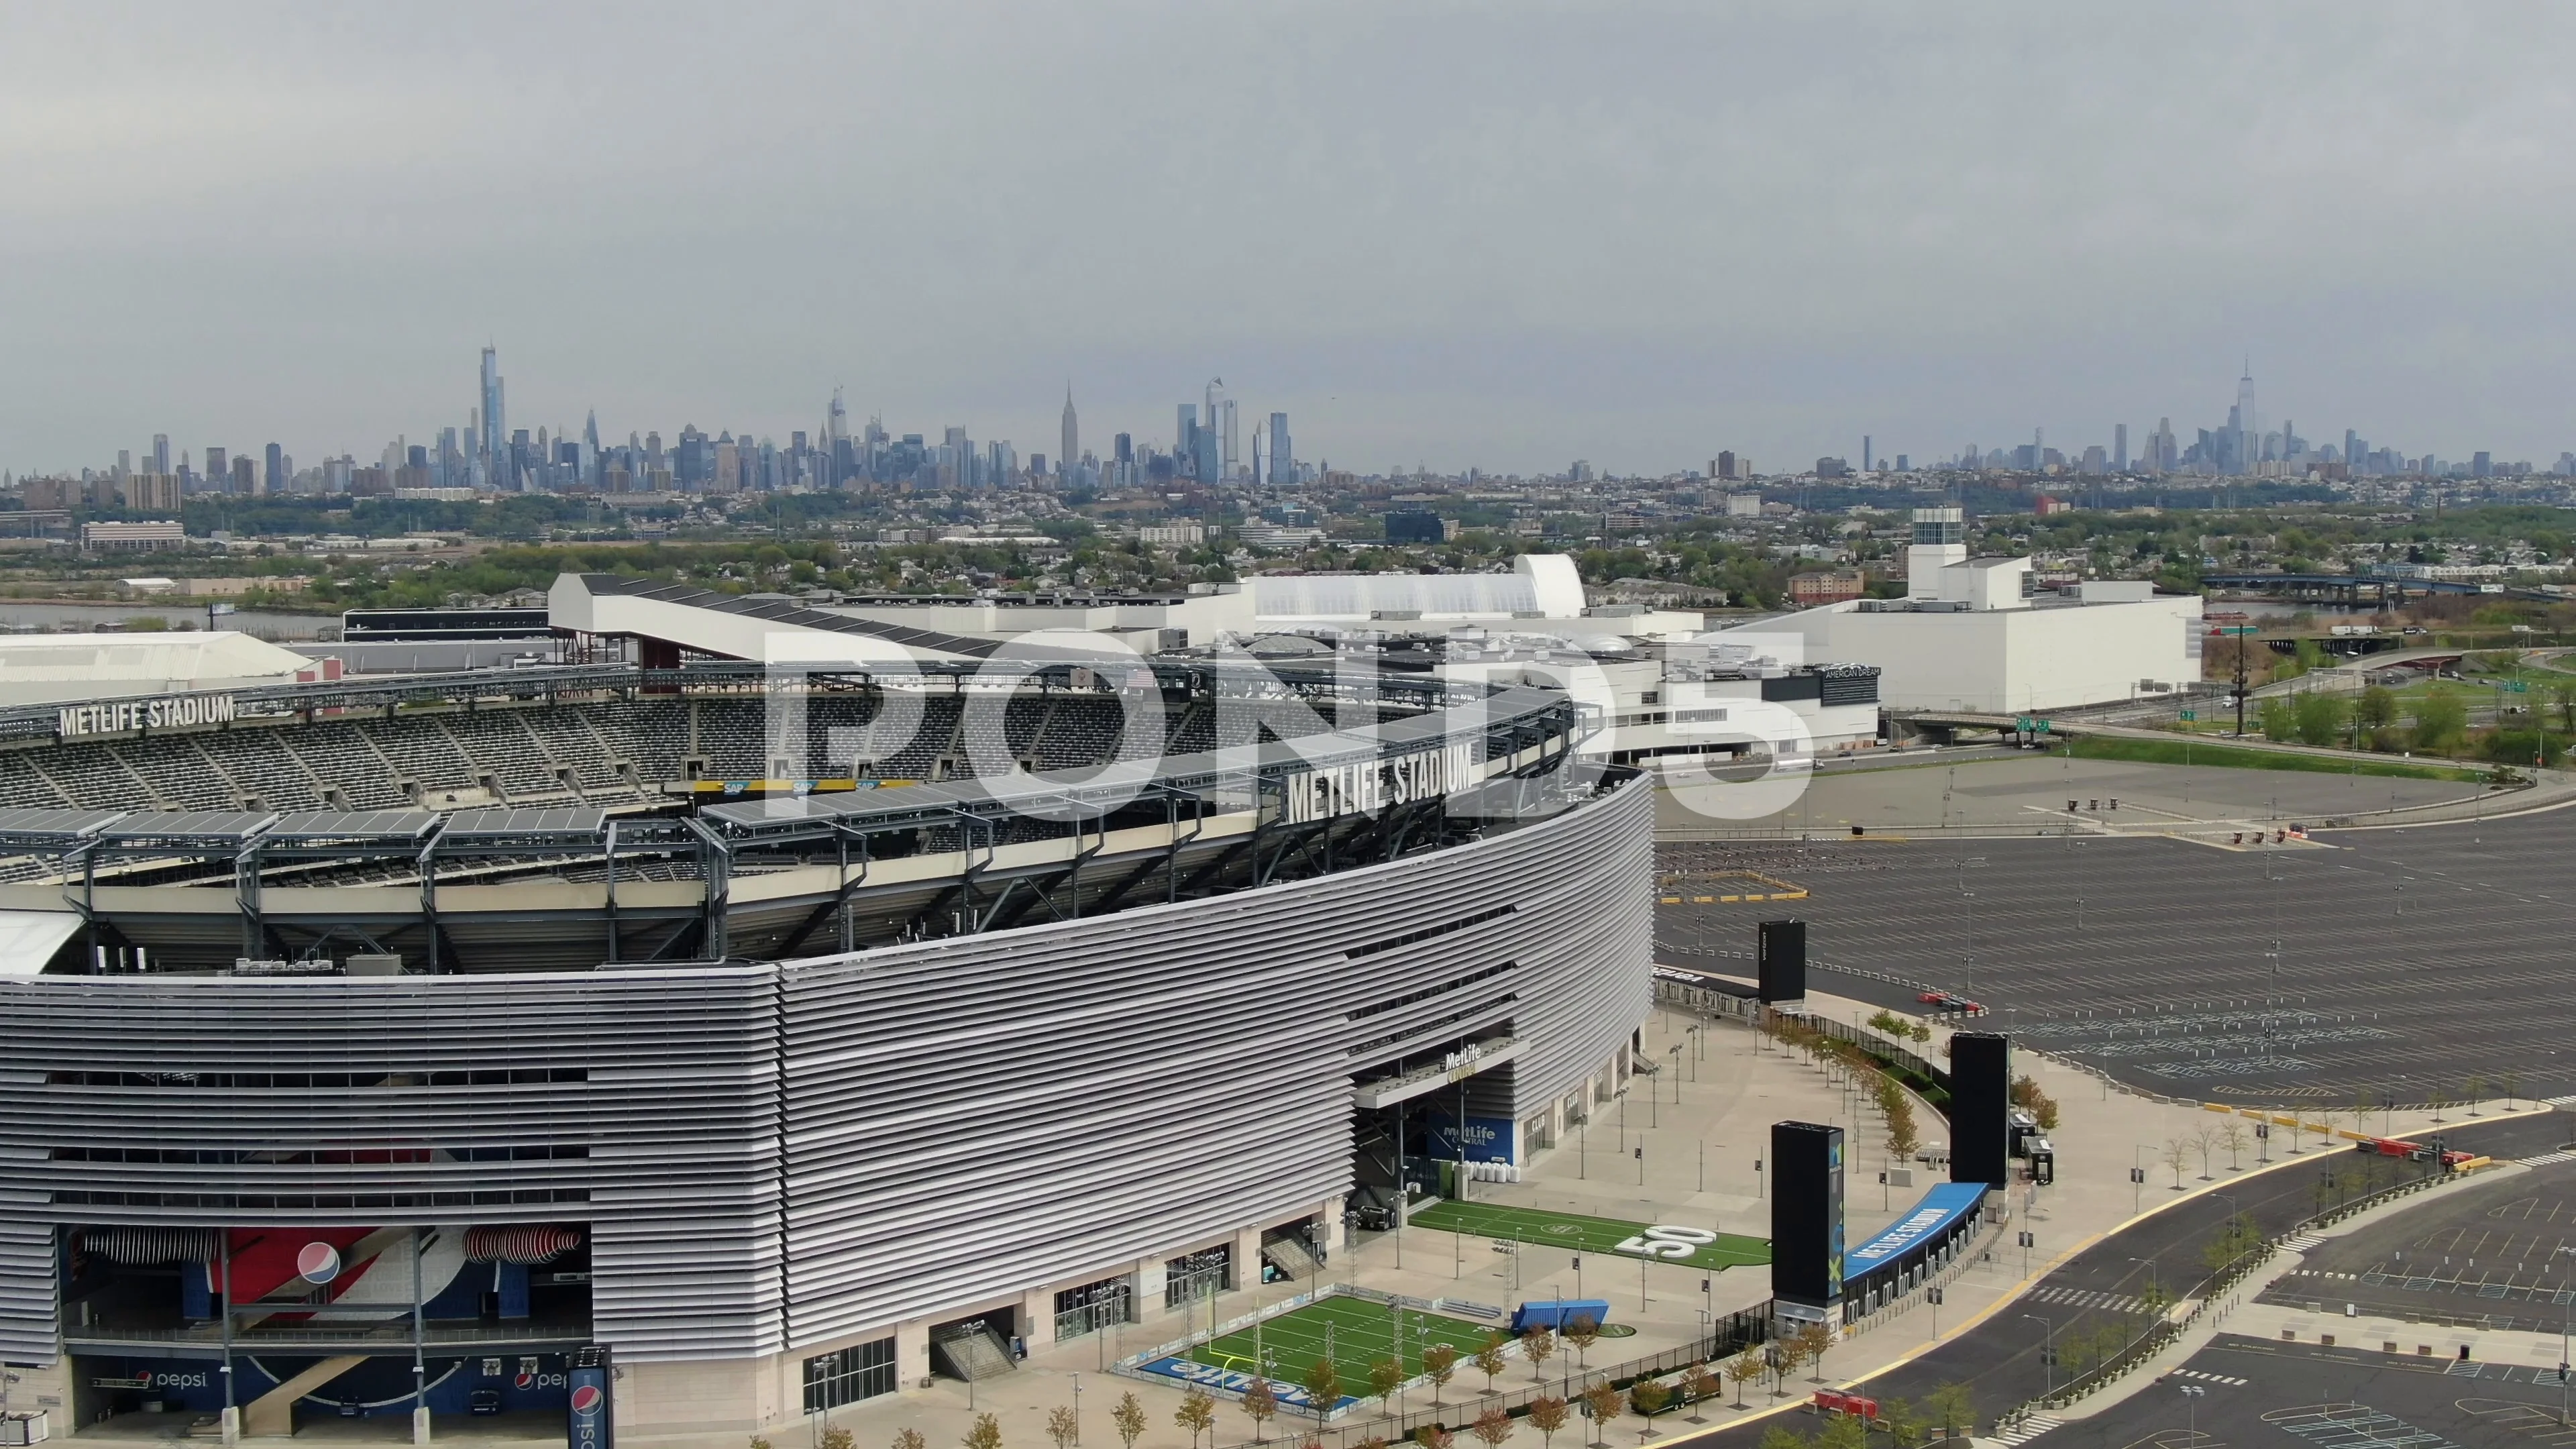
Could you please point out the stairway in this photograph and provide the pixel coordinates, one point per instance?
(1290, 1256)
(972, 1351)
(273, 1413)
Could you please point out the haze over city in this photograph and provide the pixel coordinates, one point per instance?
(1500, 239)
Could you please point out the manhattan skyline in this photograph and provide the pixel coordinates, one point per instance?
(1634, 238)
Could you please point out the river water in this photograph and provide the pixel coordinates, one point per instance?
(53, 618)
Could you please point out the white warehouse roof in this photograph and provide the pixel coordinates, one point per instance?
(42, 668)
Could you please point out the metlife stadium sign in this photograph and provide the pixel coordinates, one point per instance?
(1373, 785)
(121, 716)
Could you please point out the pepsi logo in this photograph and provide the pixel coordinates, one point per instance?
(585, 1400)
(317, 1262)
(524, 1381)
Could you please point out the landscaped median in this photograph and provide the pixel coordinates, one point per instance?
(2241, 757)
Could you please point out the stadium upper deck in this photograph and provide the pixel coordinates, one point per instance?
(468, 829)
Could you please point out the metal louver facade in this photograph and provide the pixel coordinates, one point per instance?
(770, 1157)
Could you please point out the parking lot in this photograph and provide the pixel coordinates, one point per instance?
(2500, 1255)
(2392, 964)
(2246, 1393)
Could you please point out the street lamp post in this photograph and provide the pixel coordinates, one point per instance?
(2191, 1396)
(2048, 1348)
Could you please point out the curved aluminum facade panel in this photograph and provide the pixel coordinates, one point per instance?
(773, 1156)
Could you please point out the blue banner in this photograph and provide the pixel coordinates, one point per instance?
(1940, 1210)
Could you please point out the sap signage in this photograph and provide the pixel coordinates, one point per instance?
(1372, 786)
(118, 716)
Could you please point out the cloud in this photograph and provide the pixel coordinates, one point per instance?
(1503, 235)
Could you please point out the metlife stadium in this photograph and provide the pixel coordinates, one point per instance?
(788, 1032)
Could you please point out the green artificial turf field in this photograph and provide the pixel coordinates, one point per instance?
(1576, 1233)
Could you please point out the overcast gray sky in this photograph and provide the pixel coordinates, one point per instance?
(1456, 234)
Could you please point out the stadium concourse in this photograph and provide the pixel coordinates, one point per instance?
(763, 1039)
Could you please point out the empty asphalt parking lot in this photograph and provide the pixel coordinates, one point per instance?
(2391, 963)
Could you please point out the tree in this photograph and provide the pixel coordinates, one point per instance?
(2440, 719)
(2201, 1138)
(1128, 1419)
(1582, 1333)
(2512, 1084)
(2376, 709)
(1649, 1397)
(758, 1442)
(1844, 1431)
(1905, 1423)
(1811, 1342)
(2176, 1155)
(2319, 718)
(1701, 1385)
(1538, 1346)
(1743, 1367)
(1781, 1436)
(1489, 1359)
(1062, 1427)
(837, 1437)
(1606, 1404)
(1385, 1377)
(1901, 1139)
(1323, 1386)
(2278, 719)
(1434, 1436)
(1546, 1415)
(2437, 1099)
(2235, 1238)
(1197, 1413)
(1491, 1428)
(2474, 1092)
(2233, 1138)
(1260, 1405)
(986, 1433)
(1953, 1408)
(1440, 1365)
(911, 1438)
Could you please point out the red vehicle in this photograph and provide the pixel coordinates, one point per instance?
(1934, 998)
(2413, 1151)
(1828, 1401)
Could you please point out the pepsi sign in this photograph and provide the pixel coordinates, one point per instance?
(586, 1410)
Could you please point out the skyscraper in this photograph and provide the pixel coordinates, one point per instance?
(2249, 432)
(1069, 447)
(492, 467)
(1220, 421)
(2120, 448)
(1185, 436)
(1283, 468)
(160, 452)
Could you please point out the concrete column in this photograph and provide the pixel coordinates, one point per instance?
(1247, 1258)
(1037, 1318)
(1153, 1275)
(420, 1425)
(1331, 1213)
(911, 1352)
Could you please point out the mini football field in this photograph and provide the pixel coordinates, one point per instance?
(1353, 1332)
(1577, 1233)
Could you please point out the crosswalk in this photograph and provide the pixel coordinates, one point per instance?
(2559, 1101)
(2546, 1158)
(2301, 1243)
(2205, 1376)
(2027, 1430)
(2090, 1298)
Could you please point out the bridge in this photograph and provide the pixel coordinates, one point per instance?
(2357, 588)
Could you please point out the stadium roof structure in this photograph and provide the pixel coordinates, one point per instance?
(736, 627)
(572, 888)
